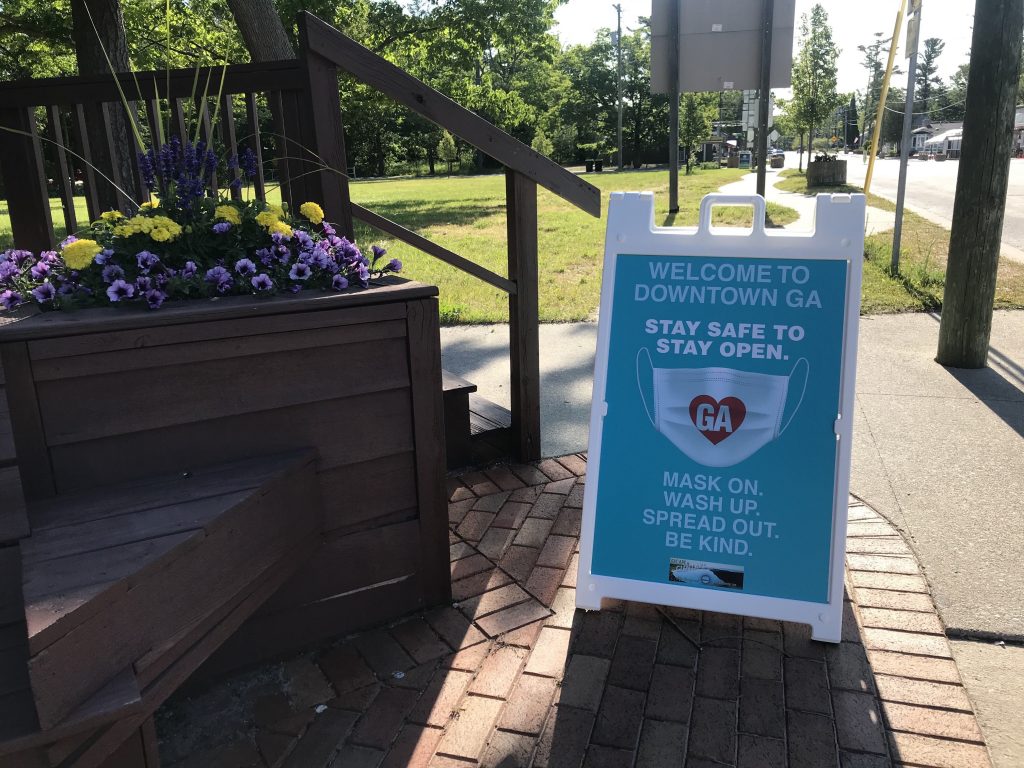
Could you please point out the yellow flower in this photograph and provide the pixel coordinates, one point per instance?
(267, 219)
(279, 227)
(228, 213)
(312, 211)
(159, 228)
(111, 215)
(79, 254)
(147, 205)
(277, 210)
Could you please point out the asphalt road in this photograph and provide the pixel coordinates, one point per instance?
(931, 188)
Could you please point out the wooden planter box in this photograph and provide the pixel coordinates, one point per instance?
(826, 174)
(103, 397)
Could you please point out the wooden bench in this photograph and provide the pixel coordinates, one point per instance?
(119, 594)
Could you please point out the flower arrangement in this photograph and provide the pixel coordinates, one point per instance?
(187, 244)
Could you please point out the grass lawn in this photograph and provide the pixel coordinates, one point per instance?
(923, 254)
(467, 215)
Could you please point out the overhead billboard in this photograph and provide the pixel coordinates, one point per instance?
(720, 44)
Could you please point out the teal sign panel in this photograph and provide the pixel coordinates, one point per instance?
(719, 449)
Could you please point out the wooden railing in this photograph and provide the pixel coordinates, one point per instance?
(308, 146)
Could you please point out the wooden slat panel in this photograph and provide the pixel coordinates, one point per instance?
(179, 126)
(185, 590)
(192, 352)
(104, 406)
(107, 320)
(65, 184)
(252, 116)
(84, 148)
(309, 626)
(428, 431)
(377, 221)
(350, 563)
(7, 453)
(21, 161)
(355, 493)
(399, 85)
(13, 516)
(29, 440)
(344, 431)
(240, 78)
(226, 129)
(186, 335)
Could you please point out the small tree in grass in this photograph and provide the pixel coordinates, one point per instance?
(695, 122)
(541, 144)
(814, 73)
(447, 152)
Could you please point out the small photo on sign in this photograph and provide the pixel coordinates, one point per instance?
(705, 574)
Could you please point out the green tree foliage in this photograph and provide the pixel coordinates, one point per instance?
(696, 115)
(447, 151)
(815, 72)
(541, 144)
(927, 83)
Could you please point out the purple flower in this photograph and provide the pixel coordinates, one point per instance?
(219, 278)
(248, 163)
(103, 256)
(146, 261)
(295, 288)
(49, 257)
(339, 283)
(378, 252)
(265, 256)
(143, 283)
(112, 272)
(245, 267)
(279, 238)
(154, 298)
(10, 299)
(394, 265)
(119, 289)
(44, 293)
(262, 282)
(300, 271)
(364, 275)
(8, 269)
(328, 229)
(189, 270)
(221, 227)
(67, 241)
(147, 167)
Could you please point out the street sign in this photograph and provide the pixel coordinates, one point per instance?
(721, 425)
(720, 44)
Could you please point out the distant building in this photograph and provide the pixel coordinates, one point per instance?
(936, 138)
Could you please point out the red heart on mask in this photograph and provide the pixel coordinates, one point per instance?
(717, 419)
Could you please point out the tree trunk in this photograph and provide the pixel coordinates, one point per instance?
(111, 154)
(980, 200)
(262, 30)
(801, 155)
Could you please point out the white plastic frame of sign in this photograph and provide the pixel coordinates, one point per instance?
(837, 235)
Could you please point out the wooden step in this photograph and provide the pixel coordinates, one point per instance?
(130, 578)
(455, 396)
(477, 431)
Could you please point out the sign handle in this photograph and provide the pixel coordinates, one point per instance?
(712, 200)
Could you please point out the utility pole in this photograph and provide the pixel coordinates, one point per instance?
(673, 112)
(767, 19)
(913, 28)
(880, 114)
(980, 202)
(618, 81)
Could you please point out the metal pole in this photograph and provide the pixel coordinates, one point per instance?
(908, 120)
(880, 114)
(618, 82)
(673, 114)
(767, 19)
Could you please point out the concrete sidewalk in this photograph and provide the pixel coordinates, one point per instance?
(936, 451)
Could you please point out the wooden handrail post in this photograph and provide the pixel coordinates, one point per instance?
(523, 309)
(28, 200)
(324, 133)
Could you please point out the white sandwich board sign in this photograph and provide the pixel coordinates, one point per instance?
(720, 432)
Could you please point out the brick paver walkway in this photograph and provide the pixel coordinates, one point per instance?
(512, 675)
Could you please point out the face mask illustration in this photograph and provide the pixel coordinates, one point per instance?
(718, 416)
